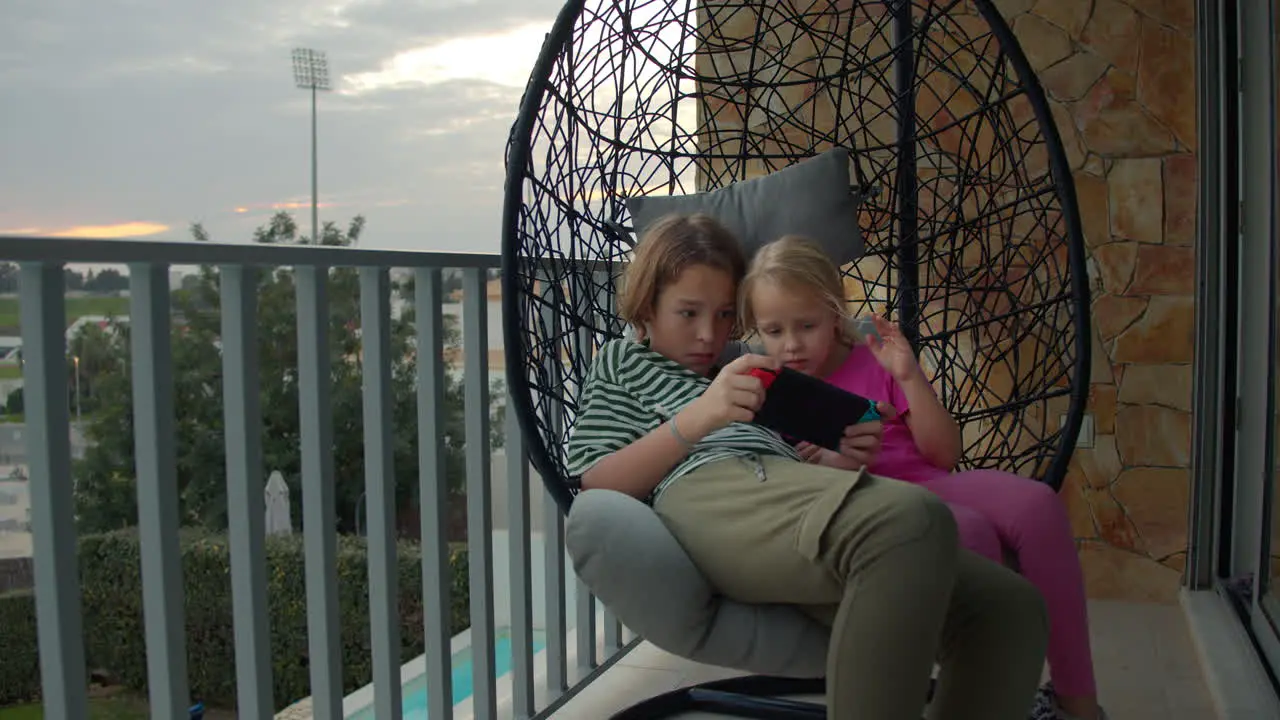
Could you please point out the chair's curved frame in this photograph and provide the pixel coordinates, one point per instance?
(756, 696)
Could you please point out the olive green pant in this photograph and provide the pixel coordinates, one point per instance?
(878, 560)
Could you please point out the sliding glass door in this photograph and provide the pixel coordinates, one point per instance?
(1258, 384)
(1234, 532)
(1270, 600)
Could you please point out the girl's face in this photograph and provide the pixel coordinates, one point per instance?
(693, 317)
(796, 327)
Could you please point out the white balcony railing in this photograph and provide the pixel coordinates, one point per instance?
(56, 573)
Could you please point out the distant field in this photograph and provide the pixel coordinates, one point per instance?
(76, 307)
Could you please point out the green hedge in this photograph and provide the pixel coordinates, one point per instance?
(19, 656)
(113, 619)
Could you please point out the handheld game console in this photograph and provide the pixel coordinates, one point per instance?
(802, 407)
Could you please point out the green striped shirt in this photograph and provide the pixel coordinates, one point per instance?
(630, 390)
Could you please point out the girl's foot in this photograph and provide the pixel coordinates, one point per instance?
(1046, 707)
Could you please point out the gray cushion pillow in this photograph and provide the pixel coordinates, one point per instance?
(812, 198)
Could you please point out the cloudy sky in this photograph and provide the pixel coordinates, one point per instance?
(135, 118)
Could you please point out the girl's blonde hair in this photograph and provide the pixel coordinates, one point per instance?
(668, 247)
(800, 265)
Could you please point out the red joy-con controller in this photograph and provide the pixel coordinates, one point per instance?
(766, 376)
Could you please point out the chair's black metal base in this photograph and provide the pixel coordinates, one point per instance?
(751, 696)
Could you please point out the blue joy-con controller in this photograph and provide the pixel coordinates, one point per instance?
(871, 414)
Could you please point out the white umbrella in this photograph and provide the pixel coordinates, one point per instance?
(279, 521)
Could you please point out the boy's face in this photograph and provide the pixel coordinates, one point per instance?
(693, 317)
(794, 326)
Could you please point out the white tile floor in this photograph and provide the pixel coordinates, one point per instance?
(1147, 670)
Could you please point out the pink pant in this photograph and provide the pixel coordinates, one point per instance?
(1000, 513)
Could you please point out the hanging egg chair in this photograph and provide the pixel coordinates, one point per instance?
(968, 228)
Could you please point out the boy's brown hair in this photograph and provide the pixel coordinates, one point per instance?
(670, 245)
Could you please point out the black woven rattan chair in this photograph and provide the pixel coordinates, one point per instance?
(972, 234)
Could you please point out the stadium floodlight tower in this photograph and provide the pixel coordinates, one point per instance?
(311, 72)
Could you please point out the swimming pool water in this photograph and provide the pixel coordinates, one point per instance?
(414, 703)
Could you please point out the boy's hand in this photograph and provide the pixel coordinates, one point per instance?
(733, 397)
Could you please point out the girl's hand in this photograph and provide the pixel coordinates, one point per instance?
(861, 443)
(887, 411)
(859, 447)
(809, 452)
(733, 397)
(892, 350)
(819, 455)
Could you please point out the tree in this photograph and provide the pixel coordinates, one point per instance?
(89, 352)
(9, 274)
(108, 280)
(105, 489)
(9, 277)
(72, 279)
(13, 404)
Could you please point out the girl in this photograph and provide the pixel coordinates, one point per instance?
(876, 558)
(793, 298)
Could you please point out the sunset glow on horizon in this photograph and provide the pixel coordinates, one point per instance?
(117, 230)
(137, 228)
(286, 205)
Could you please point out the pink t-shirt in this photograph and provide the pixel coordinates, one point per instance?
(899, 458)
